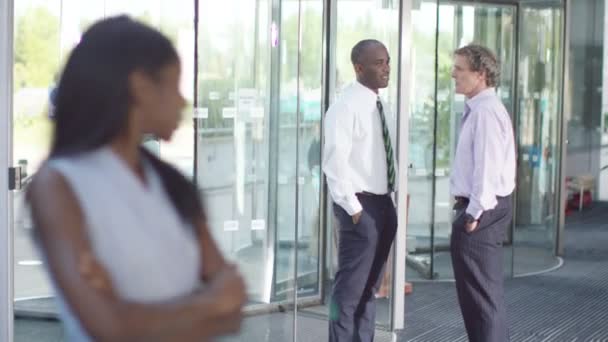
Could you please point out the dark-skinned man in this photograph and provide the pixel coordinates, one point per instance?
(360, 166)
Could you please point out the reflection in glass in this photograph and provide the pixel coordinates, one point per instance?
(587, 114)
(310, 92)
(232, 118)
(533, 99)
(45, 33)
(357, 20)
(36, 62)
(436, 115)
(540, 84)
(258, 145)
(421, 140)
(494, 27)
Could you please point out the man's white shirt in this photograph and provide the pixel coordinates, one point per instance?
(354, 157)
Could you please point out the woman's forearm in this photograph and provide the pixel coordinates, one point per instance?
(192, 317)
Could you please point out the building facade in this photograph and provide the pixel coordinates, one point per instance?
(258, 76)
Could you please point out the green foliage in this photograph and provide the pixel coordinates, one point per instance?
(311, 58)
(36, 48)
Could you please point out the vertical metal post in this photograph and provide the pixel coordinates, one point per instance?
(329, 84)
(274, 129)
(195, 102)
(6, 147)
(329, 53)
(297, 192)
(516, 122)
(563, 135)
(434, 163)
(404, 84)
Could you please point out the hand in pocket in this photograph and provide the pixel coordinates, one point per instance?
(457, 214)
(357, 217)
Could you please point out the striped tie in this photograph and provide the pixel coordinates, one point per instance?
(388, 148)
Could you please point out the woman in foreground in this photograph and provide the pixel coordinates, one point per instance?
(123, 233)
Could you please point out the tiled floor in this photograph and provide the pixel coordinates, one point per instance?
(566, 305)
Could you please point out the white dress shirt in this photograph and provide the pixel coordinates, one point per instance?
(354, 158)
(484, 164)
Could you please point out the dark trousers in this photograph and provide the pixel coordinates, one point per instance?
(477, 259)
(363, 249)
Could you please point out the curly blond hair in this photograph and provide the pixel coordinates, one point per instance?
(481, 59)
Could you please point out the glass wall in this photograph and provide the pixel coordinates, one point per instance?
(36, 60)
(231, 146)
(37, 57)
(258, 134)
(421, 139)
(587, 94)
(493, 26)
(253, 75)
(310, 93)
(258, 129)
(356, 20)
(538, 124)
(436, 115)
(44, 34)
(527, 37)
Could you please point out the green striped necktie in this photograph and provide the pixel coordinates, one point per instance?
(388, 148)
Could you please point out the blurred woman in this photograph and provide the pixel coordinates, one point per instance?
(124, 234)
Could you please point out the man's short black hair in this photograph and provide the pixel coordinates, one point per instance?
(357, 51)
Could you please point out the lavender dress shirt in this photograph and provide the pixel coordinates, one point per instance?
(484, 164)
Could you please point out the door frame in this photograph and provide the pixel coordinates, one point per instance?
(566, 101)
(560, 195)
(397, 304)
(561, 133)
(511, 4)
(6, 207)
(398, 252)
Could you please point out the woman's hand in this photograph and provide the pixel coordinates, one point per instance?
(228, 289)
(95, 274)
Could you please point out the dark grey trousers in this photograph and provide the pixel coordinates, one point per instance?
(363, 249)
(477, 259)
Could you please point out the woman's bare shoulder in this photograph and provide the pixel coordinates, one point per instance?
(47, 179)
(50, 195)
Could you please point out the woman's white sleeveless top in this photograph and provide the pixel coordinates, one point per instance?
(151, 254)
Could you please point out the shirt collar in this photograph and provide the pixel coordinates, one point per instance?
(479, 98)
(366, 92)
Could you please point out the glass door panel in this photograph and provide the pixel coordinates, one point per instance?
(439, 29)
(354, 21)
(538, 134)
(286, 159)
(6, 201)
(421, 141)
(256, 116)
(310, 93)
(490, 25)
(233, 113)
(534, 100)
(45, 33)
(176, 20)
(37, 57)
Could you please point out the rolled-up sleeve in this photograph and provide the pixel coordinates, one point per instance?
(487, 154)
(339, 123)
